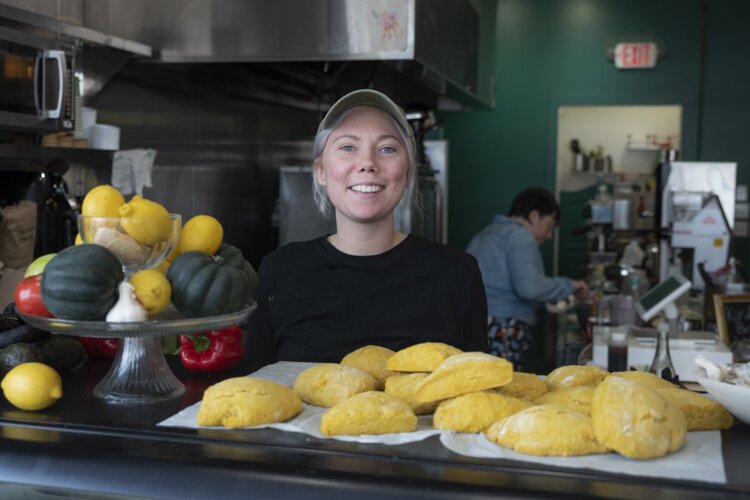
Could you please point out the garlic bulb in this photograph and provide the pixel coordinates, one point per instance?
(127, 309)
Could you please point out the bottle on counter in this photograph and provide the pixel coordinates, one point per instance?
(617, 351)
(662, 363)
(600, 307)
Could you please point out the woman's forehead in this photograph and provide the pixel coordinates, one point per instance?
(370, 117)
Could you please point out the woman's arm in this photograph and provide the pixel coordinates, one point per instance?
(527, 274)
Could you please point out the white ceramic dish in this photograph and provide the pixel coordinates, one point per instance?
(735, 398)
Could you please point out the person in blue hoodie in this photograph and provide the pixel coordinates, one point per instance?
(513, 274)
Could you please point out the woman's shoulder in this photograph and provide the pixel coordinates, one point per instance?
(293, 251)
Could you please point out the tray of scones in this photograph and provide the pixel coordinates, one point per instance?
(376, 392)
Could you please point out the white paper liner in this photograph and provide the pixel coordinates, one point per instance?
(308, 421)
(700, 459)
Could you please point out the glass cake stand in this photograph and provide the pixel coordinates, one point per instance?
(140, 373)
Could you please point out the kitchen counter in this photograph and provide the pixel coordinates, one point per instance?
(84, 448)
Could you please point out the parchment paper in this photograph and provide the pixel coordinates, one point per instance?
(699, 460)
(308, 421)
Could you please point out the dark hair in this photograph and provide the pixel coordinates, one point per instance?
(537, 199)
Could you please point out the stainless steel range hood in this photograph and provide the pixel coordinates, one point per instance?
(434, 43)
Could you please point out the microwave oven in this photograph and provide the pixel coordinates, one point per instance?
(37, 83)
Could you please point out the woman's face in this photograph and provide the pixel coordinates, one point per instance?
(541, 226)
(364, 166)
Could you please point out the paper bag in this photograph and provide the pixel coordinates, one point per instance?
(17, 234)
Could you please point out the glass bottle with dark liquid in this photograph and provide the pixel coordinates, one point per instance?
(617, 352)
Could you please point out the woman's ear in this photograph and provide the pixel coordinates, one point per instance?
(533, 217)
(318, 172)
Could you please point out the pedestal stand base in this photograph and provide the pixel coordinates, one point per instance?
(139, 374)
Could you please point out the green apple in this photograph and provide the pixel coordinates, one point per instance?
(37, 266)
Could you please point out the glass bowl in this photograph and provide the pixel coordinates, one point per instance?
(139, 242)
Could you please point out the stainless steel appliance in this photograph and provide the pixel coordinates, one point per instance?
(43, 61)
(37, 82)
(298, 217)
(421, 50)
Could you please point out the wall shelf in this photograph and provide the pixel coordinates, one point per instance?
(643, 146)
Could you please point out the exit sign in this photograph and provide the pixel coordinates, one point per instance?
(635, 55)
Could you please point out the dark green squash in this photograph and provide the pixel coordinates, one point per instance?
(81, 282)
(205, 285)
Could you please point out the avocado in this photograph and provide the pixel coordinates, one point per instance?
(61, 352)
(15, 354)
(10, 312)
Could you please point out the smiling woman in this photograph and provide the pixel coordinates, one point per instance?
(366, 284)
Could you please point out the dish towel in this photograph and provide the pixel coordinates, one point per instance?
(131, 170)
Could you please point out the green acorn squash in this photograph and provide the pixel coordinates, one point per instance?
(205, 285)
(81, 282)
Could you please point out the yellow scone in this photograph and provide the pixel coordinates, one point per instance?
(405, 387)
(328, 384)
(574, 375)
(635, 421)
(702, 413)
(476, 411)
(524, 385)
(372, 359)
(424, 357)
(371, 412)
(551, 430)
(577, 398)
(648, 379)
(464, 373)
(247, 401)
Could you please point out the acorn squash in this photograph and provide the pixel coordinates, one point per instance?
(81, 282)
(205, 285)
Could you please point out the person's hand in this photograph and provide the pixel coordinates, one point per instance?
(580, 290)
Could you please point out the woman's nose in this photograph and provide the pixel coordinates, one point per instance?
(366, 163)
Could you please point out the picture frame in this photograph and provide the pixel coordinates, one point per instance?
(732, 317)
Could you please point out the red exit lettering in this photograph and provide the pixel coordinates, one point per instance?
(635, 55)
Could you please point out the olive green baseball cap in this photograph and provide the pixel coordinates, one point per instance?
(371, 98)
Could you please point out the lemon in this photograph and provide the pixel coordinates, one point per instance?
(32, 386)
(152, 290)
(202, 233)
(145, 220)
(102, 201)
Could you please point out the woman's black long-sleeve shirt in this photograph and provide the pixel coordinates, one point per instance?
(316, 303)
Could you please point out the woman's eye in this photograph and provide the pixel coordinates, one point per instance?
(388, 149)
(346, 147)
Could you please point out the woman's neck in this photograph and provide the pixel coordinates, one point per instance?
(522, 220)
(365, 239)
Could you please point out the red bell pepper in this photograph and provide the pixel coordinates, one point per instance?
(213, 351)
(100, 348)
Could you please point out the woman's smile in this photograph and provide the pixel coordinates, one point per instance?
(367, 188)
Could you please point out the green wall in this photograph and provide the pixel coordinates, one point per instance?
(550, 53)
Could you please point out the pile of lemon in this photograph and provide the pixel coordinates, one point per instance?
(148, 223)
